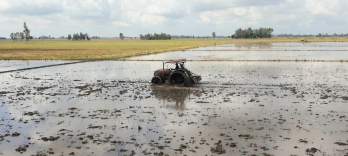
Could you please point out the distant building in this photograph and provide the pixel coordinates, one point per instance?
(2, 38)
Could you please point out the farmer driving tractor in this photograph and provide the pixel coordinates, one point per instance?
(179, 75)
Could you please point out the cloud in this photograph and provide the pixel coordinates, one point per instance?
(240, 11)
(194, 17)
(87, 9)
(42, 7)
(320, 7)
(120, 23)
(4, 5)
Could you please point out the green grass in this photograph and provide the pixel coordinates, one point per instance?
(115, 49)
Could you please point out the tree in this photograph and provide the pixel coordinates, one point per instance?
(69, 37)
(82, 36)
(141, 36)
(16, 35)
(213, 34)
(256, 33)
(169, 37)
(26, 32)
(87, 37)
(22, 36)
(12, 36)
(162, 36)
(121, 36)
(249, 33)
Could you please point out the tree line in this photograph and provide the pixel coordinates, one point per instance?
(79, 37)
(333, 35)
(17, 36)
(162, 36)
(22, 35)
(253, 33)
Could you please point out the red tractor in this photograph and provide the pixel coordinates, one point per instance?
(179, 75)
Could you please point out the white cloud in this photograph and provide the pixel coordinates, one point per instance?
(305, 23)
(205, 18)
(120, 23)
(194, 17)
(255, 14)
(4, 5)
(240, 11)
(320, 7)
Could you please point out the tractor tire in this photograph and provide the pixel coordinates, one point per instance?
(156, 80)
(180, 78)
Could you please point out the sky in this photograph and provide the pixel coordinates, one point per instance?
(108, 18)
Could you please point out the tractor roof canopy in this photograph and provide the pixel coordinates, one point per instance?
(177, 61)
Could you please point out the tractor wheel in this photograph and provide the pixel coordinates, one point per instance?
(180, 78)
(156, 80)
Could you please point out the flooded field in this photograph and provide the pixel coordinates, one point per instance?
(320, 51)
(239, 108)
(15, 65)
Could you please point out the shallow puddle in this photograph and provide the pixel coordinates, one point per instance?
(239, 108)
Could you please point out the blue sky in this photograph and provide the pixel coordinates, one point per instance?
(107, 18)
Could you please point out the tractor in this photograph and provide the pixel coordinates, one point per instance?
(179, 75)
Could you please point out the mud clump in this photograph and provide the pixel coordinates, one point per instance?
(51, 138)
(312, 150)
(22, 149)
(303, 141)
(341, 143)
(324, 97)
(43, 88)
(15, 134)
(93, 127)
(345, 98)
(72, 108)
(218, 149)
(32, 113)
(245, 136)
(2, 92)
(233, 145)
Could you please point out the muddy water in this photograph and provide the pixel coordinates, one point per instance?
(318, 51)
(240, 108)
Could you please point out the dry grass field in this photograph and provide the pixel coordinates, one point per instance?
(116, 49)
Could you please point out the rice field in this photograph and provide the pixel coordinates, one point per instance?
(106, 49)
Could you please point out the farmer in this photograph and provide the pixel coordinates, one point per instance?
(176, 66)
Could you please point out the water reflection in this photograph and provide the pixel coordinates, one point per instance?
(249, 46)
(171, 94)
(320, 51)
